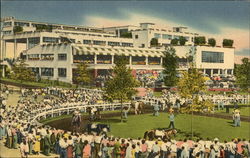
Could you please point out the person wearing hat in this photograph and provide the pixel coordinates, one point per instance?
(171, 119)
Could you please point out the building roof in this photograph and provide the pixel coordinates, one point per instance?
(106, 50)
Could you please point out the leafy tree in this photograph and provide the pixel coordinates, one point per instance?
(174, 42)
(126, 35)
(211, 42)
(154, 42)
(170, 64)
(242, 74)
(200, 40)
(227, 43)
(17, 29)
(189, 86)
(182, 40)
(82, 74)
(21, 72)
(122, 84)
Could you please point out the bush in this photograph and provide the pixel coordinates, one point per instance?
(200, 40)
(17, 29)
(154, 42)
(182, 40)
(211, 42)
(174, 42)
(227, 43)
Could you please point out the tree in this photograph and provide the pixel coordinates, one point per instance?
(227, 43)
(170, 64)
(122, 84)
(189, 86)
(182, 40)
(200, 40)
(22, 73)
(17, 29)
(242, 74)
(154, 42)
(211, 42)
(82, 74)
(174, 42)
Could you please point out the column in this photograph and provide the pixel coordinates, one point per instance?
(161, 60)
(3, 52)
(130, 60)
(15, 48)
(212, 72)
(27, 43)
(204, 71)
(112, 59)
(146, 60)
(95, 59)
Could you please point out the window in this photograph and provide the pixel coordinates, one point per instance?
(62, 72)
(47, 72)
(86, 41)
(136, 36)
(99, 42)
(7, 24)
(62, 56)
(113, 43)
(157, 35)
(47, 56)
(165, 36)
(50, 39)
(21, 24)
(176, 37)
(33, 57)
(127, 44)
(35, 70)
(33, 41)
(212, 57)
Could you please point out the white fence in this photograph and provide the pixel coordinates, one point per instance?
(52, 112)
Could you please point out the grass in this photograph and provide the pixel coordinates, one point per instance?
(157, 94)
(244, 111)
(204, 127)
(42, 83)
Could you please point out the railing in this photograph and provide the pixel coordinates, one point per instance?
(226, 101)
(44, 113)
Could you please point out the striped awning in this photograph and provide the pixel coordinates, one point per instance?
(81, 50)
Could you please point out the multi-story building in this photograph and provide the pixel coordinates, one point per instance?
(47, 45)
(58, 61)
(143, 34)
(34, 33)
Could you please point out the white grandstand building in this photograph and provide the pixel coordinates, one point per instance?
(53, 50)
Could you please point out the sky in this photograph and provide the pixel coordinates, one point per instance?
(214, 19)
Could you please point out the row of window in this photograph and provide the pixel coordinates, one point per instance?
(212, 57)
(169, 37)
(49, 72)
(46, 57)
(107, 59)
(110, 43)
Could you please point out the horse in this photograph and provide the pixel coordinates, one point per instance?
(163, 134)
(139, 107)
(94, 113)
(76, 122)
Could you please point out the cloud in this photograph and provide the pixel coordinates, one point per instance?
(240, 36)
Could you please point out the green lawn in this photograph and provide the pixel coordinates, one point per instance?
(42, 83)
(244, 111)
(204, 127)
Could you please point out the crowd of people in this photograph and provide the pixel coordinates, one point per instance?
(18, 133)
